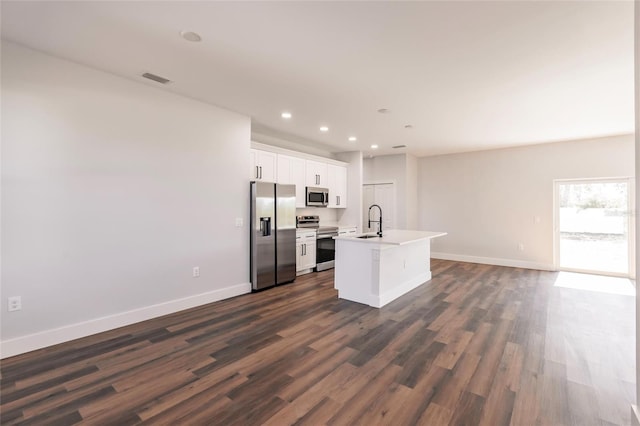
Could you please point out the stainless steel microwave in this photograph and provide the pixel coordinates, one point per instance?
(317, 197)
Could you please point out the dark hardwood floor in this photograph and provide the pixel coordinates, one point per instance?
(477, 345)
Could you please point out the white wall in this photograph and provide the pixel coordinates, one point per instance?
(327, 216)
(352, 215)
(636, 420)
(412, 192)
(112, 191)
(487, 200)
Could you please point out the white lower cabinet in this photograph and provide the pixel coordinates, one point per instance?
(305, 251)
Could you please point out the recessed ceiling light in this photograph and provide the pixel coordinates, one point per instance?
(324, 129)
(286, 115)
(352, 139)
(374, 146)
(383, 111)
(190, 36)
(408, 126)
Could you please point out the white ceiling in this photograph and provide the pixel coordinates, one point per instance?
(466, 75)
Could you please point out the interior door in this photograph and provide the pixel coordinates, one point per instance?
(382, 194)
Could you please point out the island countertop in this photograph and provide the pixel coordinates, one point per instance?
(393, 237)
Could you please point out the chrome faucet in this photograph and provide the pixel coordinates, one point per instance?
(376, 221)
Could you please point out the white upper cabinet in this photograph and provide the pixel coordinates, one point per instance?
(316, 174)
(273, 164)
(291, 170)
(263, 165)
(337, 184)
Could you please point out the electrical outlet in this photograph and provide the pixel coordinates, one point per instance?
(196, 271)
(521, 246)
(14, 303)
(239, 222)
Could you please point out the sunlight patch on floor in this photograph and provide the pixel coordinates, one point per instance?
(599, 283)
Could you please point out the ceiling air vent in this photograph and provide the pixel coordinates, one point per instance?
(157, 78)
(399, 146)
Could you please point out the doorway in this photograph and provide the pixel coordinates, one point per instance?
(594, 226)
(384, 195)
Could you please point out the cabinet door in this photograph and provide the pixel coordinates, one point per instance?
(337, 178)
(316, 173)
(255, 168)
(305, 254)
(299, 256)
(310, 252)
(263, 165)
(291, 170)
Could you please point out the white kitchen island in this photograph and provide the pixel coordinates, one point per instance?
(376, 271)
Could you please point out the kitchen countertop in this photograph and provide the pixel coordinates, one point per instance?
(393, 237)
(322, 223)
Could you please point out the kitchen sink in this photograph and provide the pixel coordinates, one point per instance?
(369, 236)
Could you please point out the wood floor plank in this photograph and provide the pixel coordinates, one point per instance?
(526, 405)
(435, 415)
(449, 394)
(478, 344)
(327, 386)
(366, 398)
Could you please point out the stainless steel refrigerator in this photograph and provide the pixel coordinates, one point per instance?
(273, 234)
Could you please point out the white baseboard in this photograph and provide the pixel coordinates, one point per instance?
(66, 333)
(513, 263)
